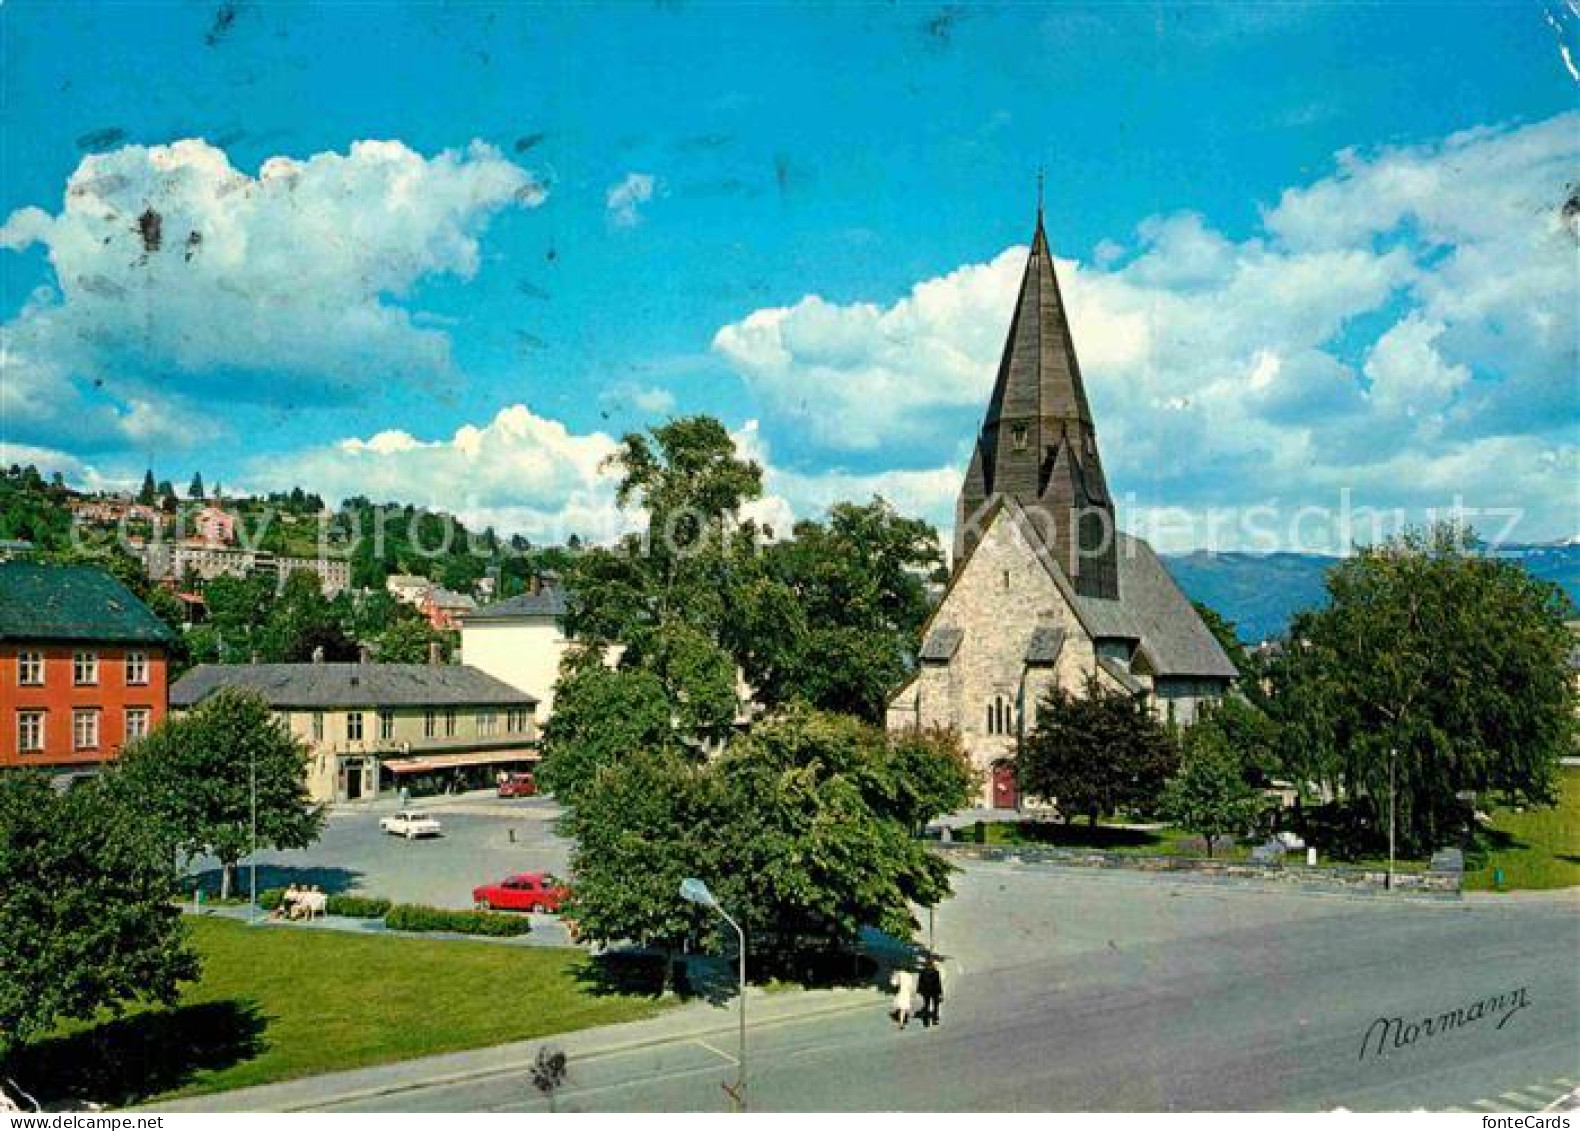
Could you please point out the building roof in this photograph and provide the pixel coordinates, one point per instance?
(73, 602)
(352, 685)
(941, 645)
(450, 599)
(547, 602)
(1047, 641)
(1114, 668)
(1153, 612)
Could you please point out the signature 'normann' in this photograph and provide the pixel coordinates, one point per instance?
(1503, 1006)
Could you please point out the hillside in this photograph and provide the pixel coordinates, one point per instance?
(1260, 592)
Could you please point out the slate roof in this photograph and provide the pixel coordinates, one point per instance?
(61, 602)
(941, 645)
(1153, 611)
(450, 599)
(549, 602)
(1045, 645)
(1114, 668)
(352, 685)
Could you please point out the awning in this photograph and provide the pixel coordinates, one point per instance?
(450, 761)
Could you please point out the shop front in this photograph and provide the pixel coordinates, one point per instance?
(439, 774)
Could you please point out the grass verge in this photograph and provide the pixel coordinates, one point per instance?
(275, 1004)
(1537, 849)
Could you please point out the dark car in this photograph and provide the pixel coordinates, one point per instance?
(518, 785)
(529, 891)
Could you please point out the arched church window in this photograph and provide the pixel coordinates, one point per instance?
(1018, 435)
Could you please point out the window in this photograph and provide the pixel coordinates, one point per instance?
(30, 669)
(1006, 581)
(1000, 716)
(30, 732)
(85, 730)
(449, 723)
(353, 726)
(136, 669)
(136, 722)
(85, 669)
(516, 720)
(429, 724)
(1017, 437)
(386, 724)
(318, 726)
(486, 722)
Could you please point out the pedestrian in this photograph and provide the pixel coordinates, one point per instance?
(904, 996)
(931, 986)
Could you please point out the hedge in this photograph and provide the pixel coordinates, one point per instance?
(415, 917)
(358, 906)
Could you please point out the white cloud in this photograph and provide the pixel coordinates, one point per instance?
(625, 198)
(179, 278)
(1414, 309)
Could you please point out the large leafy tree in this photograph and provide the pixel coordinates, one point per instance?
(602, 716)
(197, 776)
(803, 828)
(1096, 752)
(1436, 667)
(1210, 794)
(86, 920)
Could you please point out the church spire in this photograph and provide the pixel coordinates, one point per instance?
(1038, 443)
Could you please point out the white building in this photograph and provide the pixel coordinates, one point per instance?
(519, 641)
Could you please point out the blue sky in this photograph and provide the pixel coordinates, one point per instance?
(1279, 225)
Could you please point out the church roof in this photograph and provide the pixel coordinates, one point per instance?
(1038, 375)
(941, 645)
(1153, 612)
(1117, 670)
(1045, 645)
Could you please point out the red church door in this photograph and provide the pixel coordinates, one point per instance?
(1004, 795)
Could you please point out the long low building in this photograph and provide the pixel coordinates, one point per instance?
(373, 728)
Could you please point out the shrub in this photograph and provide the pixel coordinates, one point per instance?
(358, 906)
(269, 898)
(415, 917)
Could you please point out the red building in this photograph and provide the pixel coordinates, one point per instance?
(82, 667)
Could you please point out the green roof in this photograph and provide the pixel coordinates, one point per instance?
(61, 602)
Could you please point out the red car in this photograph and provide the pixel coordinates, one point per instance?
(530, 891)
(519, 785)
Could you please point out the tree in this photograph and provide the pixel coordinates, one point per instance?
(86, 919)
(1210, 795)
(601, 716)
(302, 623)
(1095, 753)
(1228, 638)
(1435, 667)
(149, 494)
(196, 774)
(804, 829)
(195, 490)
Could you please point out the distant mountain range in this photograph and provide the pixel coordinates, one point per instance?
(1260, 592)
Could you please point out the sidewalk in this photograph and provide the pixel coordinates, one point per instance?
(694, 1020)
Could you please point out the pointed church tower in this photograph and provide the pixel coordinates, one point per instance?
(1038, 444)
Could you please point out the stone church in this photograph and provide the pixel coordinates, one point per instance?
(1045, 589)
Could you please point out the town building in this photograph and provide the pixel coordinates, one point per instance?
(82, 667)
(215, 526)
(520, 640)
(1045, 589)
(171, 563)
(375, 728)
(444, 608)
(408, 587)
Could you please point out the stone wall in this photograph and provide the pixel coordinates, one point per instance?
(1329, 877)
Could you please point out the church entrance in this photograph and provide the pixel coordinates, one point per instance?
(1004, 795)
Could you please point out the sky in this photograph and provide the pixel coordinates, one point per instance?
(1317, 257)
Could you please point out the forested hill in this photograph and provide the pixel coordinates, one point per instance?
(1260, 592)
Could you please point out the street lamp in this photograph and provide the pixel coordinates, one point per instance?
(252, 853)
(695, 891)
(1393, 755)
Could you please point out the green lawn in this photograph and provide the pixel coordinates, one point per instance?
(1537, 849)
(275, 1003)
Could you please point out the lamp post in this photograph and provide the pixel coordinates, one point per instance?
(1393, 754)
(695, 891)
(252, 853)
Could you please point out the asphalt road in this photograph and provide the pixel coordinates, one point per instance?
(1094, 992)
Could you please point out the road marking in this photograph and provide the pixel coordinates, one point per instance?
(715, 1051)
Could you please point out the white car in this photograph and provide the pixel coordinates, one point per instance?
(410, 824)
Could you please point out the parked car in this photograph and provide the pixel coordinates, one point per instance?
(529, 891)
(410, 824)
(518, 785)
